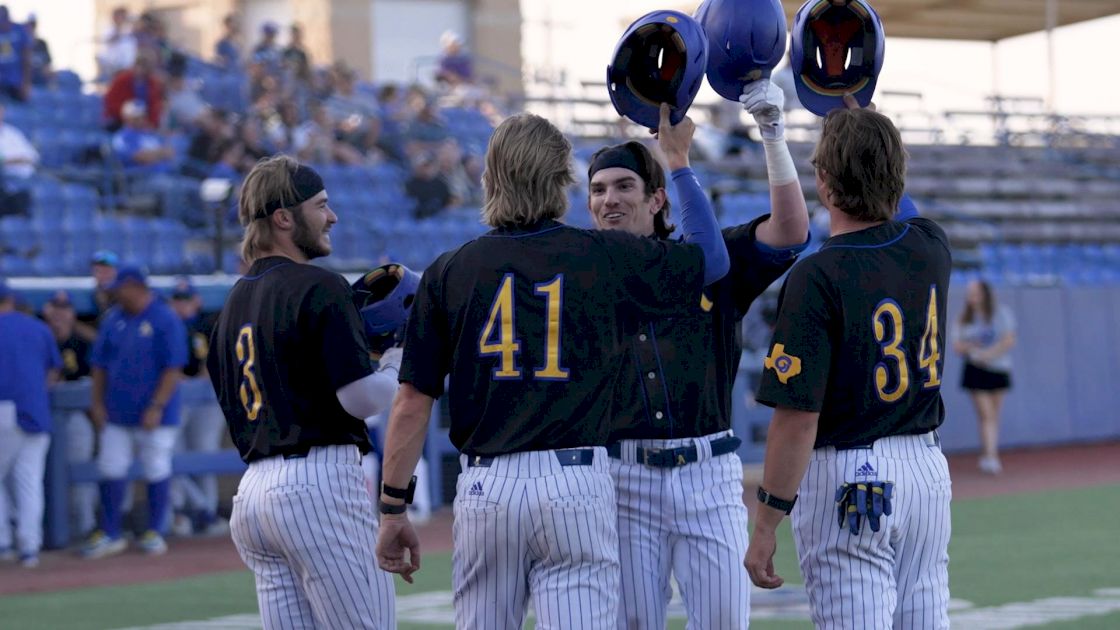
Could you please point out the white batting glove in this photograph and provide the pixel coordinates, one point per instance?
(391, 360)
(764, 101)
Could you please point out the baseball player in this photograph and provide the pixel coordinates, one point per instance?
(678, 479)
(30, 363)
(203, 424)
(530, 321)
(137, 362)
(854, 374)
(291, 367)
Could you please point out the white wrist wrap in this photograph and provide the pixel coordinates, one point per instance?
(779, 163)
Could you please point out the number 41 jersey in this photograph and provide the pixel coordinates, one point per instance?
(860, 334)
(530, 323)
(286, 340)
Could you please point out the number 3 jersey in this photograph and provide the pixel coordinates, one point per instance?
(860, 334)
(530, 324)
(286, 340)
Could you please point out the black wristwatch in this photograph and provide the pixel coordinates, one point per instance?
(779, 504)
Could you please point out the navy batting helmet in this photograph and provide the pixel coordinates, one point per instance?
(660, 59)
(384, 298)
(836, 32)
(746, 39)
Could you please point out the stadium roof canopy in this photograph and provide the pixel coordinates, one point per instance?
(984, 20)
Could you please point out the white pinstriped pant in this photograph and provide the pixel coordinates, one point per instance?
(306, 528)
(689, 521)
(528, 527)
(897, 577)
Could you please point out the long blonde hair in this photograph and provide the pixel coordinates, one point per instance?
(270, 179)
(528, 172)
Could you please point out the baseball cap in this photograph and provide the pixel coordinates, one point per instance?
(61, 299)
(129, 273)
(183, 290)
(104, 257)
(270, 27)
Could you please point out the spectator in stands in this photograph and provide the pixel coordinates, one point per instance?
(294, 55)
(314, 141)
(18, 159)
(15, 58)
(42, 73)
(984, 336)
(428, 188)
(184, 104)
(61, 318)
(212, 132)
(426, 131)
(140, 150)
(449, 161)
(227, 52)
(118, 46)
(139, 83)
(151, 35)
(137, 364)
(31, 362)
(18, 154)
(455, 65)
(266, 51)
(195, 499)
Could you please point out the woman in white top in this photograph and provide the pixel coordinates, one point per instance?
(985, 335)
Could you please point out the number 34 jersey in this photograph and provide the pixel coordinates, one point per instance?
(286, 340)
(860, 335)
(530, 323)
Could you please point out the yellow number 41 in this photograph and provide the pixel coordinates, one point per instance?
(501, 324)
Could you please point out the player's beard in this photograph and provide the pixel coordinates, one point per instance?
(308, 241)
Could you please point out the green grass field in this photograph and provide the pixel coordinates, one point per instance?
(1005, 550)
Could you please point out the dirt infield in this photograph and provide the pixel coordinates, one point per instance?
(1024, 471)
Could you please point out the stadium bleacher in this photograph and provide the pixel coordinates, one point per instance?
(1016, 214)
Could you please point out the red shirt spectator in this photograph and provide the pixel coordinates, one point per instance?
(137, 83)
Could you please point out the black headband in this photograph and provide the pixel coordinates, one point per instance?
(307, 184)
(622, 156)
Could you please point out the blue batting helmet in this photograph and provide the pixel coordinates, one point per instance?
(836, 32)
(746, 39)
(660, 59)
(384, 299)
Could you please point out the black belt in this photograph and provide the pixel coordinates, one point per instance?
(566, 457)
(932, 439)
(673, 457)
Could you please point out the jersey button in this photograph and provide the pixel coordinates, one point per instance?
(642, 337)
(652, 375)
(659, 415)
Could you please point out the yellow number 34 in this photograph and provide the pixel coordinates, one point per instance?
(249, 391)
(887, 322)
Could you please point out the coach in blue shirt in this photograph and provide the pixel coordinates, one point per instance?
(137, 362)
(29, 362)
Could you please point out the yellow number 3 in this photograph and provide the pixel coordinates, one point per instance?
(888, 332)
(888, 325)
(250, 392)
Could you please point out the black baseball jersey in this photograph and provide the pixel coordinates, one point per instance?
(678, 372)
(198, 343)
(75, 358)
(287, 339)
(531, 325)
(861, 334)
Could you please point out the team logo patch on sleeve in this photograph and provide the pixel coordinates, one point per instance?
(786, 365)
